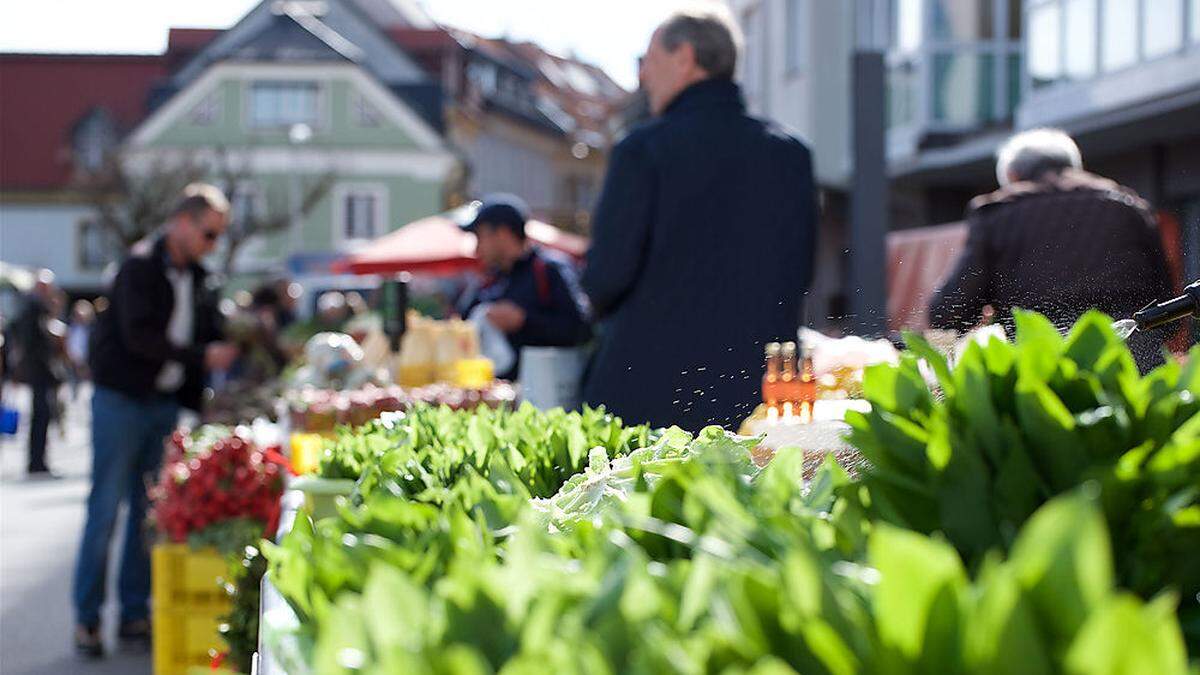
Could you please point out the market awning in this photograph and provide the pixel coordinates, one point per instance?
(436, 245)
(918, 261)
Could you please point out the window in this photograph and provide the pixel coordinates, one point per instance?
(753, 61)
(365, 114)
(245, 204)
(1045, 55)
(901, 94)
(361, 212)
(963, 88)
(796, 43)
(282, 104)
(1080, 17)
(964, 20)
(207, 111)
(906, 21)
(360, 216)
(1118, 30)
(1194, 11)
(95, 138)
(1162, 27)
(1013, 73)
(93, 246)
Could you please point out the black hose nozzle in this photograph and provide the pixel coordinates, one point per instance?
(1158, 314)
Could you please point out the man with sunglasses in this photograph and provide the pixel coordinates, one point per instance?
(149, 355)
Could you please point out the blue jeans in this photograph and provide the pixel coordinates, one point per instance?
(127, 451)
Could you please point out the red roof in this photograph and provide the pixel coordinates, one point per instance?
(45, 95)
(184, 43)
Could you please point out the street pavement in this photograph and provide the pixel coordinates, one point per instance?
(40, 526)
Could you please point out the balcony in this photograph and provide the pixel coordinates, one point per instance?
(1116, 59)
(954, 71)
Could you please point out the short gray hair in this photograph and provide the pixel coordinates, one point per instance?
(1029, 154)
(712, 34)
(198, 198)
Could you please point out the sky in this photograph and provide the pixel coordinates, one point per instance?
(609, 33)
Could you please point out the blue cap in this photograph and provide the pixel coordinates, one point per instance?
(500, 209)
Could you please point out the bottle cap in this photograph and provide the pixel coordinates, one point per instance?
(772, 348)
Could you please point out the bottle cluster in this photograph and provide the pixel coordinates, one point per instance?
(789, 386)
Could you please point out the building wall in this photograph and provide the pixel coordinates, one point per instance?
(338, 125)
(507, 156)
(795, 71)
(48, 235)
(363, 140)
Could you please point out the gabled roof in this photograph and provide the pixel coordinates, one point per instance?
(46, 95)
(341, 25)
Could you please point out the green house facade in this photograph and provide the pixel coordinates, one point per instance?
(283, 102)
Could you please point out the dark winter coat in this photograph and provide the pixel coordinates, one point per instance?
(546, 287)
(129, 344)
(702, 249)
(1061, 245)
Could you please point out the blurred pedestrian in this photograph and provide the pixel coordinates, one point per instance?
(150, 352)
(1057, 240)
(79, 331)
(531, 295)
(702, 243)
(37, 355)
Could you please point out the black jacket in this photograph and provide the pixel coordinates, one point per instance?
(1060, 246)
(702, 248)
(129, 343)
(37, 359)
(545, 286)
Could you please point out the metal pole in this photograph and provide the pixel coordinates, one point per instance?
(868, 196)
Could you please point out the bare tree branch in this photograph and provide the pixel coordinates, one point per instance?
(131, 204)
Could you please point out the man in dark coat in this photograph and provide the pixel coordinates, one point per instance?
(702, 240)
(532, 295)
(149, 355)
(1057, 240)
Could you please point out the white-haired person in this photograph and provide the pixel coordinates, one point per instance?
(1057, 240)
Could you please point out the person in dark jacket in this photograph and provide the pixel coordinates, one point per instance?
(533, 295)
(39, 365)
(702, 243)
(1056, 240)
(149, 355)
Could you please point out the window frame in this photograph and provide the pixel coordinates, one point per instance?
(82, 228)
(342, 193)
(320, 103)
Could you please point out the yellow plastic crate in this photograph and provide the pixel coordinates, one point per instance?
(187, 606)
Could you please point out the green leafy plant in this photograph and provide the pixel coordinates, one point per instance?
(1013, 425)
(239, 628)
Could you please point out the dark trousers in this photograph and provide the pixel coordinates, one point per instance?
(127, 450)
(43, 393)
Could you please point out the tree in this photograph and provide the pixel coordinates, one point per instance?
(131, 202)
(275, 214)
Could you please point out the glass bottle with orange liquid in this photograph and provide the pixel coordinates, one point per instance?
(770, 381)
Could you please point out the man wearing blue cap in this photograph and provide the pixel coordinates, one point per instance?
(532, 295)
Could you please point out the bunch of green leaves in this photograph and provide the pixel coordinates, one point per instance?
(426, 451)
(709, 569)
(1016, 424)
(239, 627)
(229, 537)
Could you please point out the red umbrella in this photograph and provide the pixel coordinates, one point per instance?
(436, 245)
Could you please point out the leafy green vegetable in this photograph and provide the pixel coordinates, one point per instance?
(1016, 424)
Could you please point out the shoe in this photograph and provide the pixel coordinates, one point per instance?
(134, 636)
(41, 475)
(88, 644)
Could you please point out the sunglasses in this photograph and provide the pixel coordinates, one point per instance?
(210, 235)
